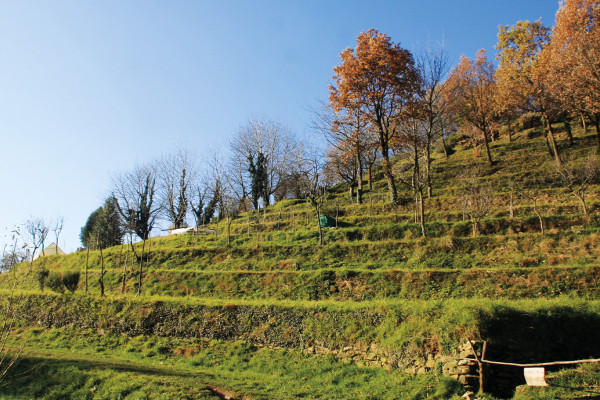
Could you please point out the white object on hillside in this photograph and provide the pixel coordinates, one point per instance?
(535, 376)
(181, 231)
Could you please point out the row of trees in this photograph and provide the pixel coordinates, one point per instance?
(385, 99)
(25, 241)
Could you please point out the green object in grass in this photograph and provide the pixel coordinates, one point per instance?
(326, 222)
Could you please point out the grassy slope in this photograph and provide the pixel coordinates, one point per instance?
(376, 261)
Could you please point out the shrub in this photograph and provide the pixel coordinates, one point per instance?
(70, 280)
(41, 275)
(54, 282)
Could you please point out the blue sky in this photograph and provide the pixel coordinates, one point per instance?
(88, 88)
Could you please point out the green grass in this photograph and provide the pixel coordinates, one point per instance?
(75, 362)
(243, 315)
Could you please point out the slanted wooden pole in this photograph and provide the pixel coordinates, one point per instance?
(480, 365)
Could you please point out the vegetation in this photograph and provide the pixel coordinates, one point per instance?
(267, 303)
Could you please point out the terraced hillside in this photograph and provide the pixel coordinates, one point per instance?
(377, 311)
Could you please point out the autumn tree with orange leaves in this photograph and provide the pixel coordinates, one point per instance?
(471, 89)
(575, 57)
(522, 76)
(378, 78)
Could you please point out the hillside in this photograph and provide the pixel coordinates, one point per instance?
(377, 311)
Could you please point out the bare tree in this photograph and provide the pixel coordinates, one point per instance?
(350, 135)
(135, 195)
(14, 253)
(37, 231)
(477, 195)
(577, 176)
(57, 229)
(176, 174)
(9, 314)
(433, 64)
(315, 189)
(275, 143)
(342, 167)
(414, 136)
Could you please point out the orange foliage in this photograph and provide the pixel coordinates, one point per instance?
(378, 78)
(470, 90)
(575, 57)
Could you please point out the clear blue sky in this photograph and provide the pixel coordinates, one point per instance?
(88, 88)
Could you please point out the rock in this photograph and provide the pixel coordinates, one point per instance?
(430, 362)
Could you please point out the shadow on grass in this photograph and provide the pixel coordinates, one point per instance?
(76, 377)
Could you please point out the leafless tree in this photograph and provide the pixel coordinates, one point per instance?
(135, 195)
(315, 190)
(348, 132)
(11, 255)
(342, 168)
(176, 173)
(414, 136)
(477, 195)
(14, 252)
(37, 231)
(274, 142)
(577, 176)
(433, 64)
(57, 229)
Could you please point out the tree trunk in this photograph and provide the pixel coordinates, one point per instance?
(319, 224)
(228, 229)
(583, 124)
(475, 229)
(487, 147)
(102, 272)
(416, 208)
(428, 169)
(539, 216)
(370, 170)
(597, 126)
(389, 176)
(568, 131)
(359, 192)
(509, 132)
(87, 258)
(423, 230)
(553, 140)
(139, 292)
(548, 142)
(581, 196)
(512, 210)
(124, 271)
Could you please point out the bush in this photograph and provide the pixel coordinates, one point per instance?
(54, 282)
(41, 275)
(70, 280)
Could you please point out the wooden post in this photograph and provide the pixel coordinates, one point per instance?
(337, 212)
(293, 222)
(480, 365)
(279, 218)
(87, 257)
(124, 272)
(483, 368)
